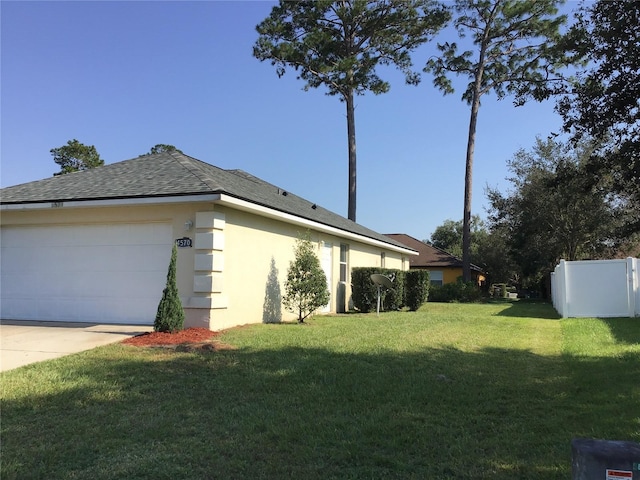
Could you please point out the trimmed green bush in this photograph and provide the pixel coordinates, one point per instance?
(499, 290)
(417, 288)
(455, 292)
(170, 315)
(395, 299)
(364, 292)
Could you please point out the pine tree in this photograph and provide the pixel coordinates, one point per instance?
(170, 316)
(75, 157)
(306, 284)
(514, 52)
(340, 44)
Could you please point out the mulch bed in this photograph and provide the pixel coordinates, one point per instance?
(189, 339)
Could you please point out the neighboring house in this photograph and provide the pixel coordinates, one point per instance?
(94, 246)
(442, 266)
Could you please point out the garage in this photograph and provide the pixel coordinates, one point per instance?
(106, 273)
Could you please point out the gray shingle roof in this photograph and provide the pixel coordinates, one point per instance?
(175, 174)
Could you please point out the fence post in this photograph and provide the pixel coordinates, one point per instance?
(634, 288)
(563, 284)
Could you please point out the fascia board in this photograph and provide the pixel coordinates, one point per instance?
(221, 199)
(110, 202)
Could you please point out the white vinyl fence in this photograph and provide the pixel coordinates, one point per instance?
(596, 288)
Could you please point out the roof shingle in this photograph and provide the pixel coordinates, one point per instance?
(428, 255)
(175, 174)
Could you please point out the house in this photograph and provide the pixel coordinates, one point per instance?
(443, 267)
(94, 246)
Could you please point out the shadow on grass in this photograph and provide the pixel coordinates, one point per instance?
(314, 414)
(530, 309)
(624, 330)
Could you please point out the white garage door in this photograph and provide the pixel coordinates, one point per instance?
(84, 273)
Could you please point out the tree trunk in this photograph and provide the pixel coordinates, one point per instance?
(468, 179)
(351, 133)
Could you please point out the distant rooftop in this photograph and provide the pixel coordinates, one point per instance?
(428, 255)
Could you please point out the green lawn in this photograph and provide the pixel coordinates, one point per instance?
(453, 391)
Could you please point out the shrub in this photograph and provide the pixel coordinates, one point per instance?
(499, 290)
(417, 288)
(395, 299)
(306, 284)
(170, 315)
(465, 292)
(364, 292)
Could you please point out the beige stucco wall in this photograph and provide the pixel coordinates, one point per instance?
(257, 249)
(229, 276)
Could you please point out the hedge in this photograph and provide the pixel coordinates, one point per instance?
(455, 292)
(417, 288)
(365, 293)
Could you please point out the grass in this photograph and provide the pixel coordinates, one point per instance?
(452, 391)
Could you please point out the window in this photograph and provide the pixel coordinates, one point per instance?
(436, 277)
(344, 258)
(382, 259)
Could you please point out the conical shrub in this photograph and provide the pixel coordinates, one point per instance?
(170, 315)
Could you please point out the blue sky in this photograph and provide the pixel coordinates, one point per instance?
(125, 76)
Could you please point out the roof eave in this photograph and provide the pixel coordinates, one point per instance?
(241, 204)
(109, 202)
(219, 198)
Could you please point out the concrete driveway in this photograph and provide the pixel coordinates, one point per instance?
(24, 342)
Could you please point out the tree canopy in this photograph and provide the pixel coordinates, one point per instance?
(163, 147)
(340, 44)
(553, 210)
(514, 52)
(448, 236)
(487, 249)
(603, 101)
(75, 156)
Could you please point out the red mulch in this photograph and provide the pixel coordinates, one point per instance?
(187, 336)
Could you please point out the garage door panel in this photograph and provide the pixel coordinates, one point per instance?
(12, 285)
(14, 307)
(105, 273)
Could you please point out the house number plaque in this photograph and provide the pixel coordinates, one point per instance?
(184, 242)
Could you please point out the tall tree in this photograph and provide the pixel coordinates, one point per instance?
(553, 210)
(163, 147)
(75, 156)
(603, 100)
(340, 44)
(514, 53)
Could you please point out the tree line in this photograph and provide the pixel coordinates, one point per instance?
(553, 209)
(580, 198)
(76, 156)
(518, 49)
